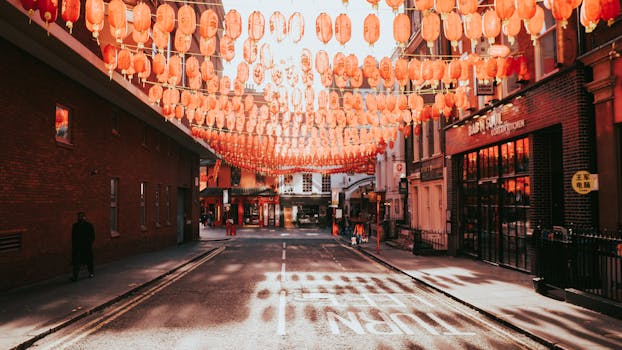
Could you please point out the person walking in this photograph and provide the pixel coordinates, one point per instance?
(82, 237)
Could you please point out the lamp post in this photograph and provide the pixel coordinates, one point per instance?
(377, 226)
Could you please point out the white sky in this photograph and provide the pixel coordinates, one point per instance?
(357, 10)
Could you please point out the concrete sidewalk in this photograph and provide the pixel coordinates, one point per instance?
(30, 312)
(507, 296)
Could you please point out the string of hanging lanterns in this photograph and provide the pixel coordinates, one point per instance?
(346, 127)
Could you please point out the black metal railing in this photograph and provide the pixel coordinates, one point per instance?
(429, 242)
(590, 262)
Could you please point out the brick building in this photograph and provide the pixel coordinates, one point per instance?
(512, 160)
(76, 139)
(513, 156)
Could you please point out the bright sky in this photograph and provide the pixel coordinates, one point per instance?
(357, 10)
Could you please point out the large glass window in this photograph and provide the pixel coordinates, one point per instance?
(494, 204)
(63, 124)
(114, 206)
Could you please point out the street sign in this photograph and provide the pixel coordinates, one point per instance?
(583, 182)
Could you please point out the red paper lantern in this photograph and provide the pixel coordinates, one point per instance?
(452, 27)
(424, 5)
(526, 9)
(473, 28)
(492, 25)
(165, 18)
(233, 25)
(278, 26)
(401, 28)
(395, 4)
(186, 21)
(467, 7)
(343, 28)
(227, 48)
(371, 29)
(256, 25)
(48, 10)
(321, 61)
(94, 13)
(70, 12)
(505, 9)
(30, 6)
(324, 27)
(610, 9)
(250, 51)
(431, 28)
(208, 24)
(296, 27)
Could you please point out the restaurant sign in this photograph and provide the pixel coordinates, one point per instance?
(494, 124)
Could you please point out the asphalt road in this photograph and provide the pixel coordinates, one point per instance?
(286, 293)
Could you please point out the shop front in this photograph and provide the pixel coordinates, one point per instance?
(257, 207)
(511, 170)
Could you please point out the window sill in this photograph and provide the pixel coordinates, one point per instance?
(143, 228)
(158, 225)
(64, 144)
(114, 234)
(116, 133)
(546, 75)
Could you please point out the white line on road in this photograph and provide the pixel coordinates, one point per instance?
(283, 255)
(283, 272)
(284, 245)
(281, 326)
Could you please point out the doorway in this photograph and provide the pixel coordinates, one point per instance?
(489, 222)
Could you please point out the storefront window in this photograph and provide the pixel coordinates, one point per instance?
(522, 155)
(495, 202)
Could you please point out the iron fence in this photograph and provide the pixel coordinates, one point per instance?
(429, 242)
(590, 262)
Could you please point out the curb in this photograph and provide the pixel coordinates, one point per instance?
(28, 343)
(488, 314)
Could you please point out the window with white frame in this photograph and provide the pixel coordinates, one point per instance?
(63, 124)
(326, 183)
(545, 50)
(114, 206)
(143, 213)
(167, 203)
(157, 204)
(307, 182)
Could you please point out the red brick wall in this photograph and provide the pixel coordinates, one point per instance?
(44, 183)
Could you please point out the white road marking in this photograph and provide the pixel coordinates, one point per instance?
(284, 245)
(281, 326)
(284, 234)
(283, 272)
(424, 301)
(283, 255)
(313, 234)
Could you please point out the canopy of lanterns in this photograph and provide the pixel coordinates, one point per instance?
(287, 126)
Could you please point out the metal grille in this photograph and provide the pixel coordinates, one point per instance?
(11, 241)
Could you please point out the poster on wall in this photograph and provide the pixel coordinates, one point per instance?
(225, 196)
(334, 199)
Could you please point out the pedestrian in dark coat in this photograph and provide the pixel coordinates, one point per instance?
(82, 237)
